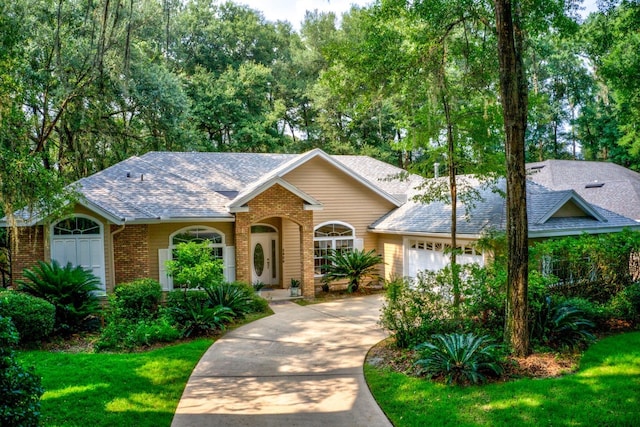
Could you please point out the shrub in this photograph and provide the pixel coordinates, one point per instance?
(459, 358)
(123, 334)
(137, 300)
(352, 265)
(483, 299)
(194, 315)
(412, 314)
(625, 304)
(20, 389)
(194, 266)
(70, 289)
(33, 317)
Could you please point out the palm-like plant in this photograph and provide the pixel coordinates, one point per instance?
(352, 265)
(70, 289)
(459, 358)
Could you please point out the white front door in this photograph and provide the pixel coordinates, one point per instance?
(264, 258)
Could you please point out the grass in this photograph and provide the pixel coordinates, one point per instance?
(604, 392)
(107, 389)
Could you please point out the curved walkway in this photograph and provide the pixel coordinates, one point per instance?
(300, 367)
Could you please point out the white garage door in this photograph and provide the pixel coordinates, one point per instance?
(79, 241)
(428, 255)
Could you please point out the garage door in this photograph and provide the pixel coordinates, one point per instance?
(79, 241)
(429, 255)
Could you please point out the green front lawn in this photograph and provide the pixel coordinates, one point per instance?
(107, 389)
(604, 392)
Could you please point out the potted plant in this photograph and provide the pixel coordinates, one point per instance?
(257, 287)
(295, 287)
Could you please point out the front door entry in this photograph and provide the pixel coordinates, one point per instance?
(264, 262)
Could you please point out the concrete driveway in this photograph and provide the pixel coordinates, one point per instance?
(300, 367)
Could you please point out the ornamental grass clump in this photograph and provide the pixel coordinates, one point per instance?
(459, 358)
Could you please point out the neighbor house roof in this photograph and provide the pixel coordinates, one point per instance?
(488, 212)
(604, 184)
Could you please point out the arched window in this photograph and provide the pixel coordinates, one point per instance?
(199, 235)
(331, 236)
(76, 225)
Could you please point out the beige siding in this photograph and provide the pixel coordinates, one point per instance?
(291, 267)
(393, 251)
(570, 209)
(343, 198)
(159, 238)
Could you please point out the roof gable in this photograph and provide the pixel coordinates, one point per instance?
(238, 204)
(567, 204)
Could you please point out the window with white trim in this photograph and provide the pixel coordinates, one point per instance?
(198, 234)
(331, 236)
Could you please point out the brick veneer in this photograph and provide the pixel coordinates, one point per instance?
(276, 202)
(131, 253)
(30, 250)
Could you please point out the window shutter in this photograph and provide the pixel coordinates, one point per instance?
(358, 244)
(165, 280)
(230, 263)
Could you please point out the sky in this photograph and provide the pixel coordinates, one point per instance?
(293, 10)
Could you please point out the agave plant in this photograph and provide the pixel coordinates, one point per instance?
(71, 289)
(459, 358)
(352, 265)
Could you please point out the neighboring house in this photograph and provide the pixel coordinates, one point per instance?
(605, 184)
(273, 217)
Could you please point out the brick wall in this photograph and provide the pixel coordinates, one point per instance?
(29, 251)
(131, 253)
(276, 202)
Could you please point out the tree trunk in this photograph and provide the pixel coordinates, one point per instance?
(513, 94)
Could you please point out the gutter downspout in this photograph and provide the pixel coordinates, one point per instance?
(112, 275)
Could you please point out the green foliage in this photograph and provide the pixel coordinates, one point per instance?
(589, 266)
(137, 300)
(598, 313)
(33, 317)
(413, 313)
(70, 289)
(123, 334)
(194, 266)
(237, 296)
(20, 389)
(626, 304)
(561, 325)
(352, 265)
(459, 358)
(195, 317)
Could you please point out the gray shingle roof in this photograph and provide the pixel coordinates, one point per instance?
(490, 213)
(170, 185)
(620, 192)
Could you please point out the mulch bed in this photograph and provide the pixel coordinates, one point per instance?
(537, 365)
